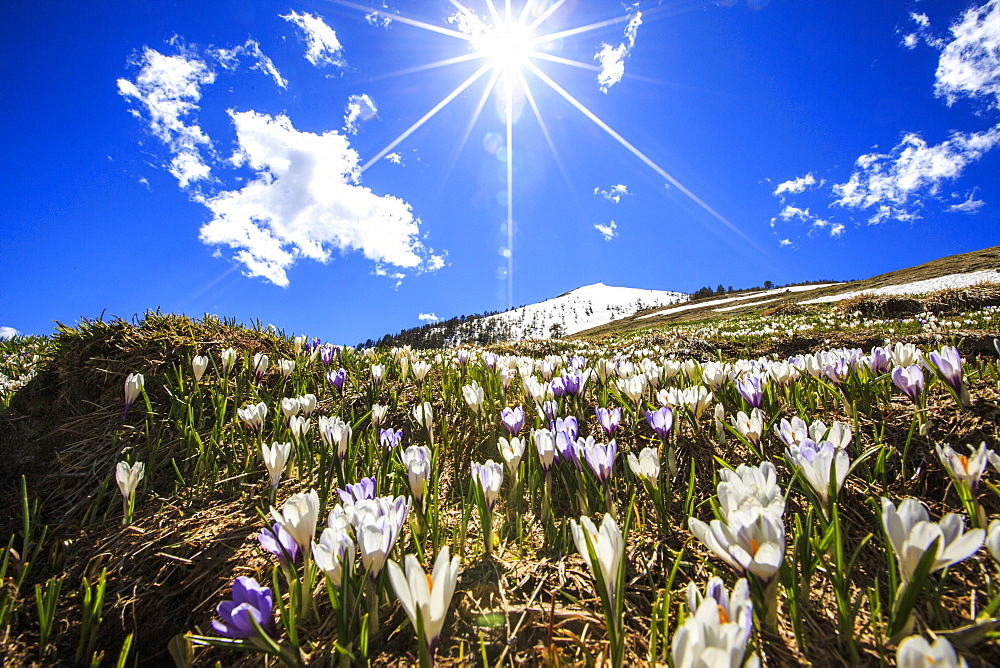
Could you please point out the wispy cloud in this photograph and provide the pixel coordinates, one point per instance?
(612, 58)
(323, 49)
(167, 91)
(428, 317)
(230, 59)
(609, 231)
(799, 185)
(359, 108)
(970, 62)
(305, 202)
(614, 193)
(394, 158)
(8, 332)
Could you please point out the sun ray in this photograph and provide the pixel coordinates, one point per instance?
(426, 117)
(564, 61)
(546, 14)
(545, 133)
(472, 122)
(510, 189)
(636, 152)
(429, 66)
(523, 16)
(403, 19)
(553, 36)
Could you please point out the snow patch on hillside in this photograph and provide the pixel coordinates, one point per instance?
(745, 295)
(919, 287)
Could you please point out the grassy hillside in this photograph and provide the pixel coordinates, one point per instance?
(824, 584)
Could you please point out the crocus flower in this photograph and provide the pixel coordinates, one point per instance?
(600, 457)
(513, 419)
(336, 433)
(133, 386)
(326, 352)
(545, 443)
(661, 420)
(420, 371)
(417, 460)
(909, 379)
(260, 364)
(489, 477)
(128, 477)
(750, 486)
(906, 354)
(474, 396)
(817, 461)
(750, 426)
(298, 517)
(948, 362)
(490, 360)
(646, 465)
(696, 399)
(198, 365)
(512, 451)
(378, 414)
(389, 438)
(337, 379)
(307, 403)
(717, 631)
(714, 374)
(633, 387)
(752, 389)
(228, 357)
(750, 540)
(333, 552)
(609, 419)
(275, 457)
(250, 601)
(375, 540)
(916, 652)
(286, 367)
(880, 359)
(425, 598)
(299, 426)
(608, 545)
(289, 406)
(570, 425)
(911, 533)
(965, 468)
(993, 540)
(359, 491)
(253, 415)
(378, 373)
(278, 542)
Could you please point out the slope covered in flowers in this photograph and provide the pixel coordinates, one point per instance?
(650, 498)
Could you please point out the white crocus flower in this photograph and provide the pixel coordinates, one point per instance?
(750, 540)
(714, 374)
(290, 406)
(911, 533)
(275, 457)
(906, 354)
(425, 598)
(817, 462)
(993, 540)
(474, 396)
(260, 364)
(228, 357)
(545, 443)
(646, 465)
(333, 552)
(916, 652)
(750, 426)
(253, 415)
(378, 373)
(336, 433)
(696, 399)
(298, 517)
(633, 387)
(609, 548)
(299, 426)
(198, 365)
(489, 477)
(128, 477)
(417, 462)
(307, 403)
(750, 486)
(420, 371)
(718, 629)
(965, 468)
(424, 416)
(512, 451)
(133, 386)
(378, 414)
(287, 367)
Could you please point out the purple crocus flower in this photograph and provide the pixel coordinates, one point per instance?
(513, 419)
(463, 357)
(566, 449)
(752, 390)
(389, 439)
(559, 386)
(279, 542)
(337, 379)
(948, 362)
(359, 491)
(326, 352)
(609, 419)
(662, 421)
(250, 601)
(880, 360)
(910, 380)
(490, 360)
(567, 424)
(578, 363)
(837, 371)
(549, 410)
(600, 457)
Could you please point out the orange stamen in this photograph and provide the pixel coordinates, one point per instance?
(723, 617)
(754, 546)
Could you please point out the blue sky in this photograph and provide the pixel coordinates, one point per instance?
(267, 160)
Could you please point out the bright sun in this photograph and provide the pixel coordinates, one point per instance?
(506, 46)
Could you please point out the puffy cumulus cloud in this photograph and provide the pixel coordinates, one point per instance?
(359, 108)
(612, 58)
(8, 332)
(894, 185)
(609, 231)
(166, 93)
(305, 202)
(322, 46)
(970, 63)
(796, 186)
(614, 193)
(427, 317)
(230, 59)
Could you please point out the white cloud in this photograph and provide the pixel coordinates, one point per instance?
(920, 19)
(8, 332)
(612, 58)
(895, 184)
(609, 231)
(785, 242)
(304, 202)
(796, 186)
(394, 158)
(911, 40)
(970, 63)
(378, 19)
(322, 46)
(428, 317)
(230, 59)
(790, 212)
(614, 193)
(969, 205)
(359, 108)
(168, 88)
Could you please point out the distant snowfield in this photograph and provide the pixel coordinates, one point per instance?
(583, 308)
(919, 287)
(742, 297)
